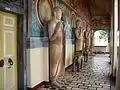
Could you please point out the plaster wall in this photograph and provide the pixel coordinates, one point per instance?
(38, 64)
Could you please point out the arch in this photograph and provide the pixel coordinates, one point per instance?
(101, 37)
(107, 30)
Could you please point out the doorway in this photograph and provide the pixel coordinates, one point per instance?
(101, 41)
(12, 75)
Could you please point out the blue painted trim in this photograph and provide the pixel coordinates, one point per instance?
(73, 41)
(24, 66)
(68, 41)
(37, 42)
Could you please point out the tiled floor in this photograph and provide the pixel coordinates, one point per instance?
(93, 76)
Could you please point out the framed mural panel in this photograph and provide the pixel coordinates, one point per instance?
(40, 12)
(43, 10)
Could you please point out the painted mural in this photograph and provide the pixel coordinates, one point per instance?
(41, 12)
(35, 30)
(73, 4)
(101, 22)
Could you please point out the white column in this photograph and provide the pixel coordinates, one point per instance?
(118, 71)
(115, 36)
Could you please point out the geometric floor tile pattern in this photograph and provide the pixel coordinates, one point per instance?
(93, 76)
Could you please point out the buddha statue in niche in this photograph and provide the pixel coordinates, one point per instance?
(56, 48)
(79, 32)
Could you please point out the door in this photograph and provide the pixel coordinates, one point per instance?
(8, 51)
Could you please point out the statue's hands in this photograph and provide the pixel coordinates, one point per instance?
(58, 26)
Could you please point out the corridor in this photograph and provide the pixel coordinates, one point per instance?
(40, 40)
(93, 76)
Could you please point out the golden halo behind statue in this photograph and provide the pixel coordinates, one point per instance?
(43, 11)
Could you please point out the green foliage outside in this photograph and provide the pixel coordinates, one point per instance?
(103, 35)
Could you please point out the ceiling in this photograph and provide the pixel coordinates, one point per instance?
(99, 7)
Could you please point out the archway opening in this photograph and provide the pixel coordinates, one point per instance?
(100, 38)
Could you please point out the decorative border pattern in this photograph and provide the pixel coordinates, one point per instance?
(37, 42)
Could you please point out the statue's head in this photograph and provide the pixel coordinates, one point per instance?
(57, 13)
(64, 17)
(78, 22)
(87, 27)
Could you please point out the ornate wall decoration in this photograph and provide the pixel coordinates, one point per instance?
(74, 4)
(35, 30)
(43, 10)
(15, 3)
(40, 12)
(101, 22)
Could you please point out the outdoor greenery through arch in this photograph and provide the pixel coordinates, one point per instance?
(103, 35)
(100, 38)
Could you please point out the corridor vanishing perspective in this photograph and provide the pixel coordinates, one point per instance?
(59, 44)
(93, 76)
